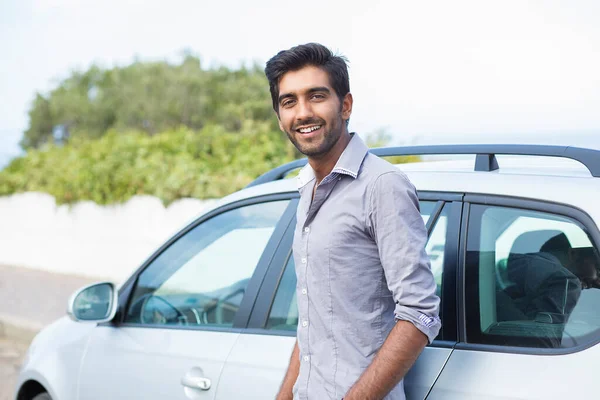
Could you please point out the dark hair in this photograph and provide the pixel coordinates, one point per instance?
(298, 57)
(556, 244)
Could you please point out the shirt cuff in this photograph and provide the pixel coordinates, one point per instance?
(430, 325)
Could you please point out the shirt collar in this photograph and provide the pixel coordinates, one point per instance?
(349, 162)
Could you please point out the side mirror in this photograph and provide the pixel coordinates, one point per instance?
(94, 303)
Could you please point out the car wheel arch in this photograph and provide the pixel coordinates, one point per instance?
(30, 389)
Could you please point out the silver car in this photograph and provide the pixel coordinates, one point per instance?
(212, 314)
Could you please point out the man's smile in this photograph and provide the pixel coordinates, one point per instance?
(309, 131)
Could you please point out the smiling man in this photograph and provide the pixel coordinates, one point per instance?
(366, 295)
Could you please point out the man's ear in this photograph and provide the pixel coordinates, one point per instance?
(280, 124)
(347, 106)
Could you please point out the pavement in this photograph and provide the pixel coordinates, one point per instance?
(29, 300)
(11, 357)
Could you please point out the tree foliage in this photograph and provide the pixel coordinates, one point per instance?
(381, 138)
(149, 97)
(178, 163)
(174, 164)
(171, 131)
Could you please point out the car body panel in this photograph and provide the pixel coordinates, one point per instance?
(150, 363)
(256, 367)
(485, 375)
(54, 357)
(424, 373)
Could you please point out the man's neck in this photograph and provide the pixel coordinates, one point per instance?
(323, 165)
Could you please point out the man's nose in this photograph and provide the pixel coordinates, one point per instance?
(305, 110)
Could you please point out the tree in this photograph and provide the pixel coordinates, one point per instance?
(153, 128)
(151, 97)
(40, 123)
(381, 138)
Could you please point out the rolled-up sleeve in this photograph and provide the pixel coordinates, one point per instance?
(395, 222)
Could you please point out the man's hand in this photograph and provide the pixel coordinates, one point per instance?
(397, 355)
(285, 392)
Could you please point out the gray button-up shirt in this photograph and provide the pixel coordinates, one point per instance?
(359, 250)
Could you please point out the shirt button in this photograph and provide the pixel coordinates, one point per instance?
(303, 290)
(307, 229)
(305, 323)
(306, 358)
(304, 261)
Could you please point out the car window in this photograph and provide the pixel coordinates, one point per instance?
(284, 311)
(436, 245)
(201, 278)
(427, 208)
(531, 280)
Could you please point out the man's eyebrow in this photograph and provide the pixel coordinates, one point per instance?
(286, 96)
(318, 89)
(309, 91)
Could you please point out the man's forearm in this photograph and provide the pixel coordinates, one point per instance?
(285, 392)
(392, 362)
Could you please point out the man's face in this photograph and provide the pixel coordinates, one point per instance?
(310, 112)
(589, 273)
(586, 269)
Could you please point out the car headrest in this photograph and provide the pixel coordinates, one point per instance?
(532, 242)
(527, 243)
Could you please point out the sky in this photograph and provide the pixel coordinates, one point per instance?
(506, 71)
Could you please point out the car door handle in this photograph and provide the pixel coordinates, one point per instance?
(194, 382)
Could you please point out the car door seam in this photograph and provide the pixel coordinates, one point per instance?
(440, 374)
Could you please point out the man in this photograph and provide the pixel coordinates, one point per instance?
(545, 285)
(581, 261)
(366, 294)
(546, 288)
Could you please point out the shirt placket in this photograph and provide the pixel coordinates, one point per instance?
(321, 194)
(303, 304)
(304, 317)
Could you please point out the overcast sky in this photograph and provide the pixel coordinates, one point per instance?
(427, 71)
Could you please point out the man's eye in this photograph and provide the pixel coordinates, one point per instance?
(287, 103)
(318, 96)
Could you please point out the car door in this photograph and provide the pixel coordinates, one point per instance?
(185, 308)
(529, 303)
(261, 354)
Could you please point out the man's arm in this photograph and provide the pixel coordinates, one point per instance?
(398, 229)
(397, 355)
(285, 392)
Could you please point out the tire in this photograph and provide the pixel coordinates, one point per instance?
(42, 396)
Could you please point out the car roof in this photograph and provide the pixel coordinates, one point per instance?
(538, 178)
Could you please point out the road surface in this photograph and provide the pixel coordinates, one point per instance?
(11, 357)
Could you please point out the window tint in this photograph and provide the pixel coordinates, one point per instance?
(532, 279)
(435, 247)
(201, 279)
(427, 208)
(284, 312)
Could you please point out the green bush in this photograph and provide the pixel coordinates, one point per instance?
(155, 128)
(174, 164)
(180, 163)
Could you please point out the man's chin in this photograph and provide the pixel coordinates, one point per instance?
(309, 149)
(312, 151)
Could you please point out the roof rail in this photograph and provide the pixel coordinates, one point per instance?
(485, 156)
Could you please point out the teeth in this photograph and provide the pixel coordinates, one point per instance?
(310, 129)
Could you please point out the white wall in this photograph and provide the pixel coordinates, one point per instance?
(104, 242)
